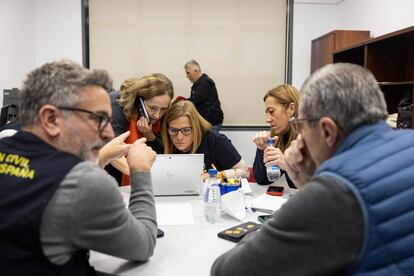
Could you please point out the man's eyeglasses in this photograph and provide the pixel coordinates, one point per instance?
(102, 118)
(184, 131)
(296, 123)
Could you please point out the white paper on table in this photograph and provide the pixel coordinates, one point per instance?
(247, 190)
(175, 213)
(269, 202)
(232, 203)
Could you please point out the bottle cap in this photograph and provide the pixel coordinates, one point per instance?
(212, 172)
(271, 141)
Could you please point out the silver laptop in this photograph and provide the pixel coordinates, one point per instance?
(177, 174)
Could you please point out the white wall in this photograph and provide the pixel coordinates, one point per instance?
(242, 140)
(310, 20)
(33, 32)
(58, 29)
(378, 16)
(17, 36)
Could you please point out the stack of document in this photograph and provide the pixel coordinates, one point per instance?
(267, 202)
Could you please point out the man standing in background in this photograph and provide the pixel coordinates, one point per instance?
(204, 95)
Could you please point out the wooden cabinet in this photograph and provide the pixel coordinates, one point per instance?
(324, 46)
(390, 58)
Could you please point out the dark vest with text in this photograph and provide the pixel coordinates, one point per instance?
(30, 173)
(377, 164)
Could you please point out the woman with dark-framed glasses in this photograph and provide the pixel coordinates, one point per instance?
(139, 107)
(281, 104)
(184, 130)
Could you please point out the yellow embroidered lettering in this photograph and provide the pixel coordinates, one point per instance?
(16, 171)
(9, 170)
(10, 157)
(30, 174)
(3, 167)
(27, 173)
(25, 162)
(2, 156)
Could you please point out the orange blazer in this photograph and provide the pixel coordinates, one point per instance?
(135, 135)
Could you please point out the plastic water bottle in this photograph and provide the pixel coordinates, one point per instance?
(212, 198)
(273, 172)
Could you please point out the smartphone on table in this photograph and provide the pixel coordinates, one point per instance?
(238, 232)
(275, 190)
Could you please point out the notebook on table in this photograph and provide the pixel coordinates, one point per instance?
(177, 174)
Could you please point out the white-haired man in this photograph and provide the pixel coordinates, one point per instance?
(354, 213)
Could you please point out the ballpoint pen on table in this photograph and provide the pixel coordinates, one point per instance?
(267, 211)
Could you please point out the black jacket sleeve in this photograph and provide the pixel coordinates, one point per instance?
(201, 92)
(119, 120)
(156, 144)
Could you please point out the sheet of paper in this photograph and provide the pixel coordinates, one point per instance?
(174, 213)
(269, 202)
(247, 190)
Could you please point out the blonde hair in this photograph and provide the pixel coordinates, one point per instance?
(199, 125)
(285, 95)
(147, 87)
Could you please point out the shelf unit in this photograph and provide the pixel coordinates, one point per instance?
(323, 46)
(390, 58)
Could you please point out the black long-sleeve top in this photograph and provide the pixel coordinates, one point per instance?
(205, 98)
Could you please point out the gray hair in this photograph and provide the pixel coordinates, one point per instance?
(192, 63)
(347, 93)
(57, 83)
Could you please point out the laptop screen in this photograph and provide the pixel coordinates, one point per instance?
(177, 174)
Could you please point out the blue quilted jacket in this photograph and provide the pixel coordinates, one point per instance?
(377, 164)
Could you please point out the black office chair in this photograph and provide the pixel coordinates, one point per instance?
(8, 113)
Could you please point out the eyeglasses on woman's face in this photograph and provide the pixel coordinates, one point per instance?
(184, 131)
(153, 109)
(157, 106)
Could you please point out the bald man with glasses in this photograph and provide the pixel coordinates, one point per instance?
(354, 213)
(56, 203)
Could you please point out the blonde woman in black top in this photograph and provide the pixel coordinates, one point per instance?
(281, 104)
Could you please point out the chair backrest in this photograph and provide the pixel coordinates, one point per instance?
(4, 115)
(251, 176)
(10, 109)
(8, 113)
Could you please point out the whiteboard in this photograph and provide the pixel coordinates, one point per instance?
(240, 44)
